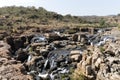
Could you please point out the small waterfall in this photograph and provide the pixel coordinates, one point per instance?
(46, 62)
(43, 75)
(29, 58)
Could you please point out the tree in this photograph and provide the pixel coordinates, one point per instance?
(102, 23)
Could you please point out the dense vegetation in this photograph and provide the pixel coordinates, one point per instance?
(12, 17)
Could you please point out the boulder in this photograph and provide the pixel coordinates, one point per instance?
(52, 36)
(76, 55)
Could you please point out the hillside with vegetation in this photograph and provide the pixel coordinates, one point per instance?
(14, 17)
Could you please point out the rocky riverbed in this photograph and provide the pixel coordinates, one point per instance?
(57, 55)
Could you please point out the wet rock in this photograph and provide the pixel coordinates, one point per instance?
(59, 61)
(52, 69)
(34, 61)
(38, 39)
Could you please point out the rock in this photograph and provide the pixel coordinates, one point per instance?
(75, 37)
(14, 72)
(38, 44)
(88, 70)
(5, 50)
(83, 67)
(115, 76)
(113, 60)
(44, 52)
(84, 56)
(75, 52)
(50, 47)
(21, 55)
(98, 62)
(115, 68)
(89, 60)
(76, 55)
(18, 43)
(109, 53)
(34, 60)
(38, 39)
(10, 41)
(95, 57)
(3, 61)
(67, 47)
(60, 44)
(52, 36)
(4, 45)
(72, 43)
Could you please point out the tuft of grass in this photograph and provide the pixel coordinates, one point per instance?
(71, 31)
(102, 49)
(79, 76)
(3, 27)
